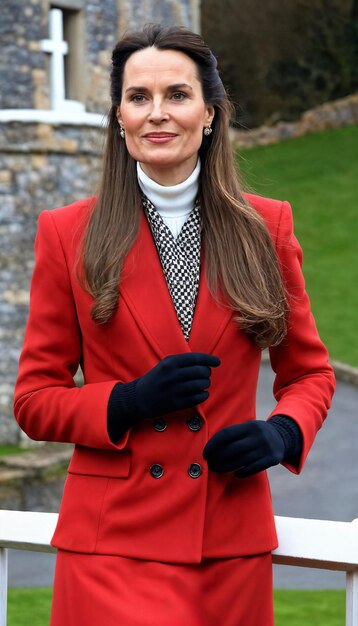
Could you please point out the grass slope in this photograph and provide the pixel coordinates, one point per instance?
(29, 607)
(309, 608)
(296, 608)
(318, 174)
(6, 450)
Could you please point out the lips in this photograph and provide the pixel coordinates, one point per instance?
(159, 135)
(162, 137)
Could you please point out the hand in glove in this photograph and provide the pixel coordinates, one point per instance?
(179, 381)
(245, 448)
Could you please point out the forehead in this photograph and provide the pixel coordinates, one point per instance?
(153, 64)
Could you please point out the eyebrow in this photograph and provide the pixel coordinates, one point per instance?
(171, 87)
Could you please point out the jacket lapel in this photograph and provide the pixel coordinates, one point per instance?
(144, 288)
(210, 318)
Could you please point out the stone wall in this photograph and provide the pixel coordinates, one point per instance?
(22, 66)
(101, 28)
(329, 115)
(41, 167)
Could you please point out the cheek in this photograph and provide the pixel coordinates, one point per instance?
(130, 124)
(133, 148)
(195, 136)
(132, 139)
(131, 120)
(195, 131)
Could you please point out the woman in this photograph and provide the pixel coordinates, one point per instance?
(165, 288)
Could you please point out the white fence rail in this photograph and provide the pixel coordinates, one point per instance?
(303, 542)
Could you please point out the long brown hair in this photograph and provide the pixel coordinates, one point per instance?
(240, 258)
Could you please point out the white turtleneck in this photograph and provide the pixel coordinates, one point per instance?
(175, 203)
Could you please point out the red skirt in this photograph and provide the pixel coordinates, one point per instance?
(95, 590)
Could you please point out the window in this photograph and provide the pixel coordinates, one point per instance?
(65, 47)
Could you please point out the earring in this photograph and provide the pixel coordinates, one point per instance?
(122, 132)
(208, 130)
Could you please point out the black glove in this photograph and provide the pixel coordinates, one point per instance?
(177, 382)
(253, 446)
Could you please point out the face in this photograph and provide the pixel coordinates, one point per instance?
(163, 113)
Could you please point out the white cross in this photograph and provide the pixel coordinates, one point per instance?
(58, 48)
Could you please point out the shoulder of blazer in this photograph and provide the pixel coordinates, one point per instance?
(274, 213)
(68, 221)
(72, 214)
(267, 207)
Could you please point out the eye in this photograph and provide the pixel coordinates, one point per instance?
(137, 97)
(179, 95)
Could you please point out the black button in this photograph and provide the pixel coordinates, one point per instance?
(160, 425)
(156, 470)
(194, 423)
(195, 470)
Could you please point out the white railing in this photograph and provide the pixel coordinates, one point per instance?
(304, 542)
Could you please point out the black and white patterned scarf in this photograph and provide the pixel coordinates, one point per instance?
(180, 259)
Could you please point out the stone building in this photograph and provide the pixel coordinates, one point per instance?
(54, 62)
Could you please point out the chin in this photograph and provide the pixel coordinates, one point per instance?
(162, 162)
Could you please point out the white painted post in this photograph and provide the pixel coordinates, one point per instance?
(3, 585)
(352, 587)
(352, 598)
(58, 48)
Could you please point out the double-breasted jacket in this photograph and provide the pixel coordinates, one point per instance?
(113, 503)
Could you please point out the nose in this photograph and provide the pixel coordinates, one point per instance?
(158, 111)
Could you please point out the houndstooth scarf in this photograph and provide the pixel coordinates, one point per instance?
(180, 259)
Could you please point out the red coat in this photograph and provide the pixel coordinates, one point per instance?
(111, 503)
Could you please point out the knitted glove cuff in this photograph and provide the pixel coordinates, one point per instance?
(121, 411)
(290, 433)
(123, 399)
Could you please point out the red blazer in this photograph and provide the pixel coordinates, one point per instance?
(111, 502)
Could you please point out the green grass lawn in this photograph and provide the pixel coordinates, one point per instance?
(29, 607)
(10, 449)
(292, 608)
(309, 608)
(318, 174)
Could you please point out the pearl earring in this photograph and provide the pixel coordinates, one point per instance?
(208, 130)
(122, 132)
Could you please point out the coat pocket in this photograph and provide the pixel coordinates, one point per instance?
(94, 462)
